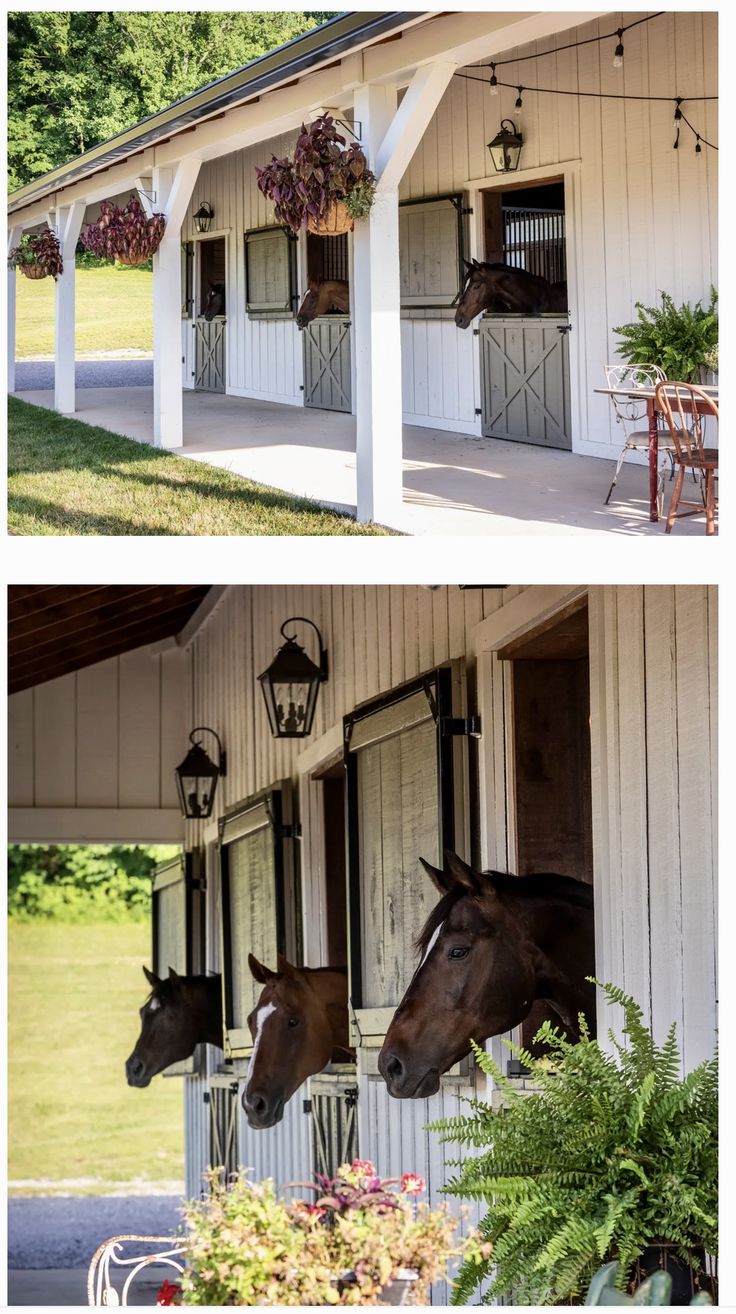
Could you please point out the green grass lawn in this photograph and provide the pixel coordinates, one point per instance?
(65, 477)
(74, 994)
(114, 311)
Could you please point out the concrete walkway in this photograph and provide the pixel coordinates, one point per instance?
(452, 484)
(68, 1286)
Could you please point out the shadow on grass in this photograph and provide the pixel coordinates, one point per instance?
(80, 522)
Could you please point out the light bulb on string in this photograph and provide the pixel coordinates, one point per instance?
(517, 106)
(698, 147)
(494, 81)
(618, 54)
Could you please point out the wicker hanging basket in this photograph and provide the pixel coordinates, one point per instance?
(132, 259)
(33, 271)
(336, 220)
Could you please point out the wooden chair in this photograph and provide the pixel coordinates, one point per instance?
(629, 412)
(685, 408)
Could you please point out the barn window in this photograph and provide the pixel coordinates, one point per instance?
(178, 916)
(270, 272)
(431, 250)
(406, 773)
(259, 902)
(187, 280)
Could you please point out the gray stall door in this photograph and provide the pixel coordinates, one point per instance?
(525, 379)
(327, 363)
(209, 356)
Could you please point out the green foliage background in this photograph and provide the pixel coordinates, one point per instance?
(76, 78)
(82, 883)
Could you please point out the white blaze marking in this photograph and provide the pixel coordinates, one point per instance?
(154, 1004)
(261, 1018)
(430, 946)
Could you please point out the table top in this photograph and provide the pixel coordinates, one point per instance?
(710, 390)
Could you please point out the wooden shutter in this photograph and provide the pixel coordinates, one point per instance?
(187, 279)
(405, 786)
(259, 902)
(270, 269)
(431, 250)
(178, 917)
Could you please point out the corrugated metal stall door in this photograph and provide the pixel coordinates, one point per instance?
(525, 380)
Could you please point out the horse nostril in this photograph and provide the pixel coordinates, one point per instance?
(258, 1104)
(136, 1067)
(394, 1067)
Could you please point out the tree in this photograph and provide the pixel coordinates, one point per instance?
(76, 78)
(82, 882)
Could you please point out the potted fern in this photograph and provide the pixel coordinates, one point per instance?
(682, 340)
(614, 1157)
(327, 185)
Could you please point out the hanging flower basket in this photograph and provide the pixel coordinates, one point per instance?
(37, 255)
(336, 220)
(128, 236)
(327, 185)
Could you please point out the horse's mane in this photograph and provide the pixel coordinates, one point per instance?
(547, 885)
(209, 978)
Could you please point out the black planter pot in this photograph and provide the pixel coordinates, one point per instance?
(687, 1281)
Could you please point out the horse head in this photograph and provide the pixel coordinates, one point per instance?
(215, 303)
(300, 1018)
(309, 308)
(178, 1014)
(322, 295)
(501, 289)
(486, 956)
(471, 299)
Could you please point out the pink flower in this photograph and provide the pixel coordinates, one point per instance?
(411, 1184)
(364, 1167)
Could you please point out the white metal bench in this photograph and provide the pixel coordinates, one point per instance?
(100, 1288)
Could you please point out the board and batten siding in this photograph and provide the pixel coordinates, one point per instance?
(92, 754)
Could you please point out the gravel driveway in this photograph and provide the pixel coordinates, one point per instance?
(34, 374)
(65, 1231)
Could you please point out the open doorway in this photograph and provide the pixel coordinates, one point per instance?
(209, 324)
(524, 226)
(550, 729)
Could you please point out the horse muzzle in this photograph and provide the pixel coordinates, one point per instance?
(407, 1081)
(263, 1111)
(137, 1073)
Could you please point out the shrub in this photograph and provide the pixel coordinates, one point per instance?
(81, 883)
(615, 1152)
(679, 340)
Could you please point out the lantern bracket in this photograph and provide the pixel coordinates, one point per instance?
(291, 638)
(282, 830)
(206, 729)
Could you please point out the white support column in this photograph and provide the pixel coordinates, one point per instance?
(172, 190)
(69, 220)
(14, 235)
(389, 138)
(377, 335)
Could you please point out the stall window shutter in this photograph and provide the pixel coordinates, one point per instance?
(431, 251)
(270, 272)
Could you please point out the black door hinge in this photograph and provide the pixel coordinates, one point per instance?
(460, 725)
(205, 1097)
(564, 328)
(306, 1106)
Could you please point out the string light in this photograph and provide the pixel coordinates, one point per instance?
(494, 81)
(618, 54)
(678, 117)
(519, 101)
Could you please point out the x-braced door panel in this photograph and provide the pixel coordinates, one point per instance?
(327, 363)
(525, 380)
(223, 1099)
(209, 355)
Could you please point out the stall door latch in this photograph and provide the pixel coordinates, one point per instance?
(461, 725)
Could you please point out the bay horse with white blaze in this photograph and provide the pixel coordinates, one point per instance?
(180, 1013)
(323, 295)
(493, 945)
(503, 289)
(299, 1023)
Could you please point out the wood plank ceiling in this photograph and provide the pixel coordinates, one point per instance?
(53, 630)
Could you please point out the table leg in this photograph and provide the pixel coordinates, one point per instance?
(653, 459)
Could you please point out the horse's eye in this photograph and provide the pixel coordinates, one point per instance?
(293, 1022)
(458, 952)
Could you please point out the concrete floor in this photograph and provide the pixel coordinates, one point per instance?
(452, 484)
(68, 1286)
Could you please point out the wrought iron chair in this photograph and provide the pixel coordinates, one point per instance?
(686, 408)
(629, 412)
(100, 1287)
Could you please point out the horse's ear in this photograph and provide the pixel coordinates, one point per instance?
(440, 879)
(259, 971)
(151, 978)
(173, 976)
(285, 967)
(469, 264)
(462, 874)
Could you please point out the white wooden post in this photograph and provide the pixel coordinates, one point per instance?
(377, 333)
(69, 219)
(389, 138)
(172, 190)
(14, 235)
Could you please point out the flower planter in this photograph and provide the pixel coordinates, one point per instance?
(395, 1292)
(132, 260)
(336, 220)
(32, 271)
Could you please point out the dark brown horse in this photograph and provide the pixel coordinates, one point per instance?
(323, 295)
(215, 302)
(180, 1013)
(492, 946)
(298, 1024)
(504, 290)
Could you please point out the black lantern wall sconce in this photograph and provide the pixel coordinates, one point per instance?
(197, 777)
(506, 147)
(203, 217)
(291, 683)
